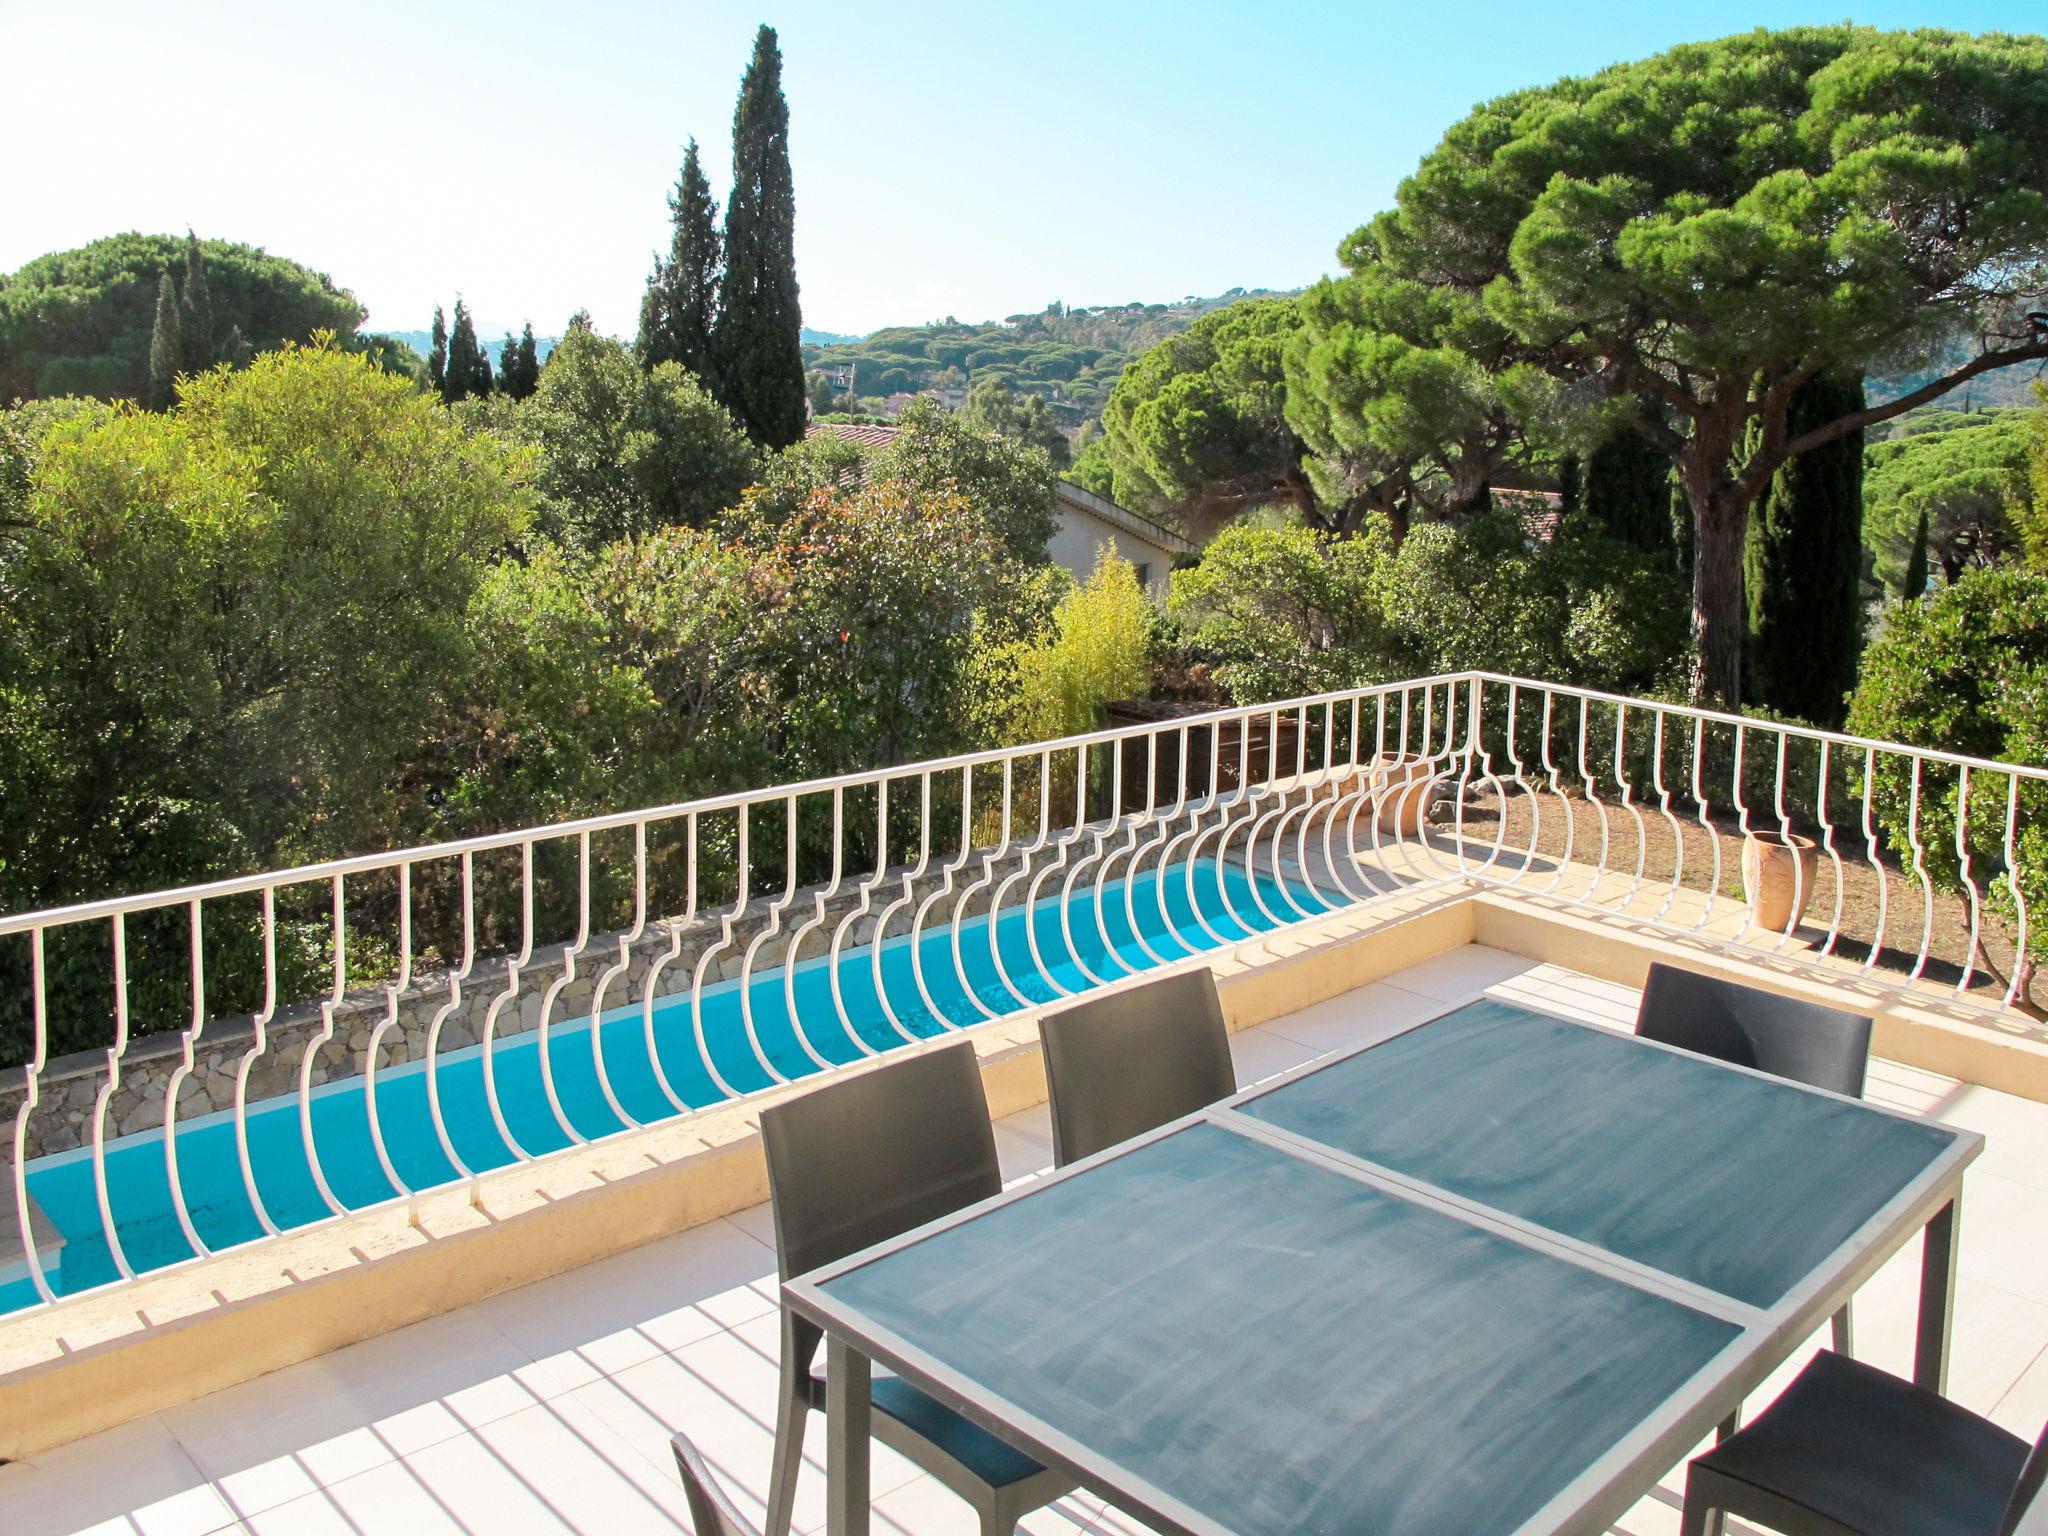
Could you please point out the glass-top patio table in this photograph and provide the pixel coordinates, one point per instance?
(1496, 1273)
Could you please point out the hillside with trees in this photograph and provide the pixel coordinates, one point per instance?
(1070, 358)
(81, 322)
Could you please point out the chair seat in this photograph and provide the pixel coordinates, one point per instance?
(1875, 1454)
(992, 1460)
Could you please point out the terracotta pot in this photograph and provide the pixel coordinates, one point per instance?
(1778, 871)
(1400, 788)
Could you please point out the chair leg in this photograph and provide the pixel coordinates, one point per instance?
(1700, 1517)
(1843, 1340)
(800, 1342)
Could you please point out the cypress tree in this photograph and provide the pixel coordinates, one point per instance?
(1802, 567)
(681, 305)
(529, 360)
(1915, 583)
(1627, 490)
(757, 363)
(437, 356)
(196, 321)
(236, 351)
(166, 346)
(1570, 484)
(468, 369)
(519, 365)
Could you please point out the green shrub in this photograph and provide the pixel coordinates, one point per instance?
(1095, 647)
(1966, 671)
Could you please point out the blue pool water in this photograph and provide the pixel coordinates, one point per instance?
(1104, 943)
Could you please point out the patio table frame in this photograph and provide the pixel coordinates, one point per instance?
(1599, 1494)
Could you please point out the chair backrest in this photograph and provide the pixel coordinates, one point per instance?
(711, 1512)
(1805, 1042)
(876, 1153)
(2026, 1497)
(1120, 1064)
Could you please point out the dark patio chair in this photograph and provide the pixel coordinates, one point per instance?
(1802, 1042)
(711, 1512)
(1848, 1450)
(851, 1164)
(1123, 1063)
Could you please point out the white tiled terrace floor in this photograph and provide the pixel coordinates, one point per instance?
(549, 1409)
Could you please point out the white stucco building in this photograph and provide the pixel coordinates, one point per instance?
(1087, 522)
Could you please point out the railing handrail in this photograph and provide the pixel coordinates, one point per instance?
(612, 821)
(355, 864)
(1752, 722)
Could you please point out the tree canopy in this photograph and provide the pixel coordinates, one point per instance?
(80, 322)
(623, 452)
(992, 406)
(1410, 397)
(1965, 473)
(1006, 483)
(230, 623)
(1713, 226)
(1196, 429)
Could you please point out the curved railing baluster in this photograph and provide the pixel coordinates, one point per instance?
(1663, 793)
(1556, 774)
(392, 992)
(1195, 817)
(1870, 854)
(769, 928)
(995, 888)
(338, 910)
(431, 1052)
(187, 1060)
(947, 872)
(2019, 895)
(821, 904)
(1920, 871)
(565, 972)
(1826, 820)
(1799, 876)
(515, 967)
(31, 1096)
(1969, 883)
(1628, 803)
(109, 1085)
(602, 986)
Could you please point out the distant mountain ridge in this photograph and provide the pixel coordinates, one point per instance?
(489, 338)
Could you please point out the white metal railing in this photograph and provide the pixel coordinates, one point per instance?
(505, 999)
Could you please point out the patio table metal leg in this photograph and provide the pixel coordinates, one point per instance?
(1937, 1298)
(847, 1407)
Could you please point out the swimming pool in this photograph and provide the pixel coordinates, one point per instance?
(1120, 927)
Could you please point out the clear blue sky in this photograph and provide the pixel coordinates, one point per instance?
(971, 158)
